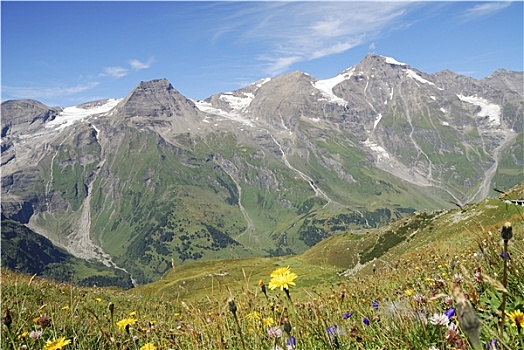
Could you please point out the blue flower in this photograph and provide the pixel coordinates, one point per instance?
(375, 305)
(450, 312)
(347, 315)
(366, 321)
(292, 342)
(492, 345)
(333, 330)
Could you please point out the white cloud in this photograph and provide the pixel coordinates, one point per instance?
(296, 32)
(31, 92)
(484, 9)
(115, 72)
(138, 65)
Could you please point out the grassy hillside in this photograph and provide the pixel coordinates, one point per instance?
(409, 285)
(26, 251)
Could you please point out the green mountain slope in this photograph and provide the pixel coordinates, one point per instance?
(25, 251)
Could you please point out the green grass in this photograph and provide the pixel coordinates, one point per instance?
(365, 290)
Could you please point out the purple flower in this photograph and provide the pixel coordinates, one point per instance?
(492, 345)
(375, 305)
(366, 321)
(347, 315)
(450, 312)
(291, 343)
(332, 330)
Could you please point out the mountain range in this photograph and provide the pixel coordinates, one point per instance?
(155, 178)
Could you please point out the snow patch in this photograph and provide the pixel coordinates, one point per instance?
(487, 109)
(391, 60)
(261, 82)
(326, 87)
(413, 75)
(236, 102)
(75, 114)
(233, 115)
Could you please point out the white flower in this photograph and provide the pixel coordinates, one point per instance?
(439, 319)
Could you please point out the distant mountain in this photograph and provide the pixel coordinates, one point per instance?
(269, 169)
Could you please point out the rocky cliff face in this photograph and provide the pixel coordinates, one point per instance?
(268, 169)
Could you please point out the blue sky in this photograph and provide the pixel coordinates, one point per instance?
(66, 53)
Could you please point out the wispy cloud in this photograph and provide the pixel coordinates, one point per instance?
(138, 65)
(483, 10)
(115, 72)
(119, 72)
(303, 31)
(34, 92)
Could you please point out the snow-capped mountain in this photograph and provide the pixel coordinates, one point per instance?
(268, 169)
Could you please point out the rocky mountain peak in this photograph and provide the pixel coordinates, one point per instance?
(155, 98)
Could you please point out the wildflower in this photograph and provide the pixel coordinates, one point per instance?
(268, 321)
(280, 271)
(98, 300)
(450, 312)
(56, 344)
(35, 335)
(333, 330)
(274, 332)
(282, 278)
(23, 335)
(287, 325)
(347, 315)
(492, 345)
(409, 292)
(291, 343)
(375, 304)
(132, 314)
(262, 287)
(148, 346)
(366, 321)
(125, 323)
(517, 318)
(507, 231)
(254, 316)
(439, 319)
(232, 306)
(43, 321)
(65, 307)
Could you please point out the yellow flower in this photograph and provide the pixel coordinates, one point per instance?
(56, 344)
(409, 292)
(148, 346)
(517, 318)
(132, 314)
(65, 307)
(23, 335)
(280, 271)
(98, 300)
(268, 321)
(282, 278)
(122, 324)
(253, 316)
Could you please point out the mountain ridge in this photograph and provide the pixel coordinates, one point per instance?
(268, 169)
